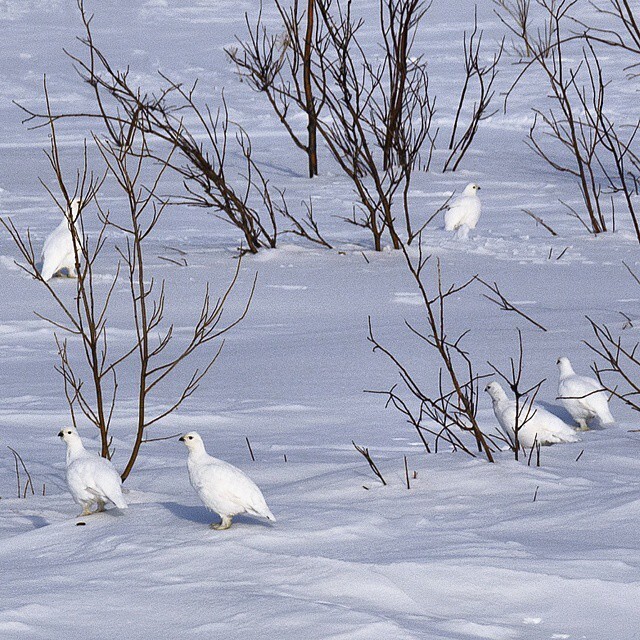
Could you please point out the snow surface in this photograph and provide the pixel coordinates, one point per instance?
(467, 552)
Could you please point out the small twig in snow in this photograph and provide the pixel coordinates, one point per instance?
(364, 451)
(540, 221)
(504, 304)
(181, 263)
(29, 483)
(250, 449)
(171, 437)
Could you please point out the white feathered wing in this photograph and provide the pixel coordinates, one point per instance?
(90, 477)
(96, 476)
(57, 252)
(464, 210)
(225, 489)
(543, 427)
(582, 397)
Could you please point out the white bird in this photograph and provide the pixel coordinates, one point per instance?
(222, 487)
(583, 397)
(90, 477)
(541, 427)
(57, 252)
(464, 212)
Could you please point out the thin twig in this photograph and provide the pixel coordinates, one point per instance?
(364, 451)
(540, 221)
(253, 458)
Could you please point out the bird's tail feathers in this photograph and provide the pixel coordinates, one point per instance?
(606, 419)
(264, 512)
(119, 502)
(47, 272)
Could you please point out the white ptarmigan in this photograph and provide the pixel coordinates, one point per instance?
(542, 427)
(90, 477)
(57, 252)
(583, 397)
(222, 487)
(464, 211)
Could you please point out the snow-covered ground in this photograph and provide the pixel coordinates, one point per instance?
(467, 552)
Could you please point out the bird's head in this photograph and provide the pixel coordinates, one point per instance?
(564, 365)
(495, 390)
(192, 440)
(69, 434)
(471, 189)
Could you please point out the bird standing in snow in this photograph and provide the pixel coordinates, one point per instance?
(90, 477)
(222, 487)
(541, 426)
(464, 212)
(57, 252)
(583, 397)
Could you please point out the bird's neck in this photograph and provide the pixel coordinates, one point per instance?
(566, 370)
(74, 450)
(499, 398)
(197, 453)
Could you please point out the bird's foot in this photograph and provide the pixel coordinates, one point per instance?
(100, 508)
(86, 511)
(225, 523)
(583, 426)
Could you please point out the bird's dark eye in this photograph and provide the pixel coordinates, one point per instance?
(190, 437)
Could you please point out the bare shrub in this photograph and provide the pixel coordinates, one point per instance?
(483, 75)
(447, 415)
(279, 66)
(524, 399)
(378, 114)
(618, 364)
(577, 137)
(159, 356)
(241, 197)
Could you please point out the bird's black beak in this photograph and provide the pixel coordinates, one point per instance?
(479, 187)
(61, 434)
(181, 438)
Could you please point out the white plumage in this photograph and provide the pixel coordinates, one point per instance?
(583, 397)
(90, 477)
(57, 252)
(222, 487)
(464, 211)
(548, 428)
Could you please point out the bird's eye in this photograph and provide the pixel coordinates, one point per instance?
(190, 437)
